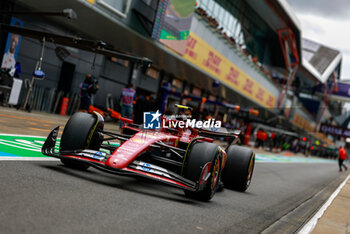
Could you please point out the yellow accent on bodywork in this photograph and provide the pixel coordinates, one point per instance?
(99, 117)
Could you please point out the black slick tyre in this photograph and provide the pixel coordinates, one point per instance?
(200, 154)
(81, 132)
(238, 171)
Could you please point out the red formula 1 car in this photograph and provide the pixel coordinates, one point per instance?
(185, 158)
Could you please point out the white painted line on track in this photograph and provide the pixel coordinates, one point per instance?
(281, 162)
(27, 159)
(309, 226)
(19, 135)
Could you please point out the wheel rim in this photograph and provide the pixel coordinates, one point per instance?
(216, 170)
(250, 171)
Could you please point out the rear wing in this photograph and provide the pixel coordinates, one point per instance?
(233, 136)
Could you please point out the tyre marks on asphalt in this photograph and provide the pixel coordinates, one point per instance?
(27, 118)
(28, 124)
(47, 131)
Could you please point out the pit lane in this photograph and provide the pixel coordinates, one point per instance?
(47, 197)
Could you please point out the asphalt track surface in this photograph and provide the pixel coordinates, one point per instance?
(47, 197)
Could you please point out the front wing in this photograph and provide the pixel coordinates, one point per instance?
(97, 159)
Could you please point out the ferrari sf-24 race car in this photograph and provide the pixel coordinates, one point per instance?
(185, 158)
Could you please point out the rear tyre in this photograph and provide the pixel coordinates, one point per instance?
(200, 154)
(82, 131)
(238, 171)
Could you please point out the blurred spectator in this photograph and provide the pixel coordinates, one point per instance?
(264, 138)
(295, 145)
(87, 89)
(307, 148)
(341, 158)
(247, 134)
(128, 97)
(139, 108)
(243, 127)
(228, 124)
(144, 103)
(258, 141)
(285, 142)
(18, 70)
(208, 116)
(272, 141)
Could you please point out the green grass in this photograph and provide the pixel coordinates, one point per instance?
(184, 7)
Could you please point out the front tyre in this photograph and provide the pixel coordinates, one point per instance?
(239, 168)
(200, 154)
(82, 131)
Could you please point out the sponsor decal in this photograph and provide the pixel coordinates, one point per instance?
(98, 155)
(146, 167)
(210, 124)
(335, 130)
(152, 120)
(150, 168)
(204, 56)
